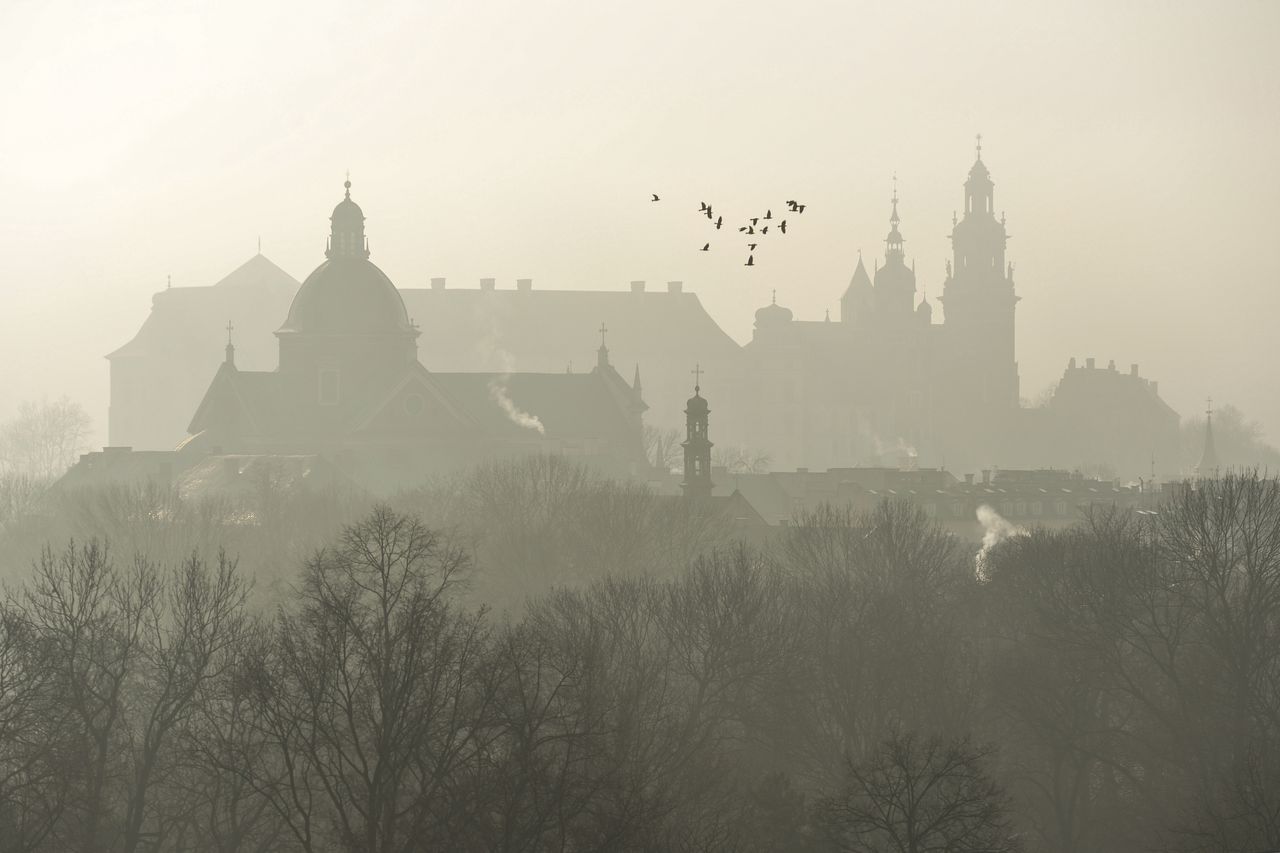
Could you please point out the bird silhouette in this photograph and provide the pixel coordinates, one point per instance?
(751, 262)
(799, 208)
(782, 226)
(791, 203)
(702, 205)
(768, 214)
(764, 230)
(709, 214)
(752, 246)
(755, 220)
(705, 247)
(655, 197)
(719, 222)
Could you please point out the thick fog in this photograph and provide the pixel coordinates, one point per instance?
(1132, 146)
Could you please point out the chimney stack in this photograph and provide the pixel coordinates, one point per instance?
(437, 284)
(1133, 370)
(1089, 363)
(524, 284)
(487, 283)
(986, 476)
(637, 287)
(675, 287)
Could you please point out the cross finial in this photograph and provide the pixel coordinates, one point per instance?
(775, 296)
(602, 330)
(259, 244)
(168, 281)
(1209, 403)
(979, 146)
(230, 329)
(347, 184)
(697, 378)
(895, 187)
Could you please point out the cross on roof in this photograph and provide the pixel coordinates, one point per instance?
(602, 330)
(1209, 403)
(230, 329)
(979, 146)
(697, 378)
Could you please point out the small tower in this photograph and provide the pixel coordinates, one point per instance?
(1209, 464)
(697, 448)
(231, 348)
(602, 354)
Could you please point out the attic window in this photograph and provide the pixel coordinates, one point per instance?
(328, 395)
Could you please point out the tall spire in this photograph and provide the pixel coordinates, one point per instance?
(893, 243)
(1209, 464)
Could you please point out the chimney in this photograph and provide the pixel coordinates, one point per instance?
(1133, 370)
(486, 283)
(1111, 365)
(1071, 365)
(968, 479)
(524, 284)
(675, 287)
(637, 287)
(1089, 363)
(986, 476)
(437, 284)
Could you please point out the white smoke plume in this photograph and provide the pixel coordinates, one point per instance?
(498, 393)
(491, 352)
(996, 529)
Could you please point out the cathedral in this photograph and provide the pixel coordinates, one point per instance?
(887, 384)
(892, 380)
(349, 388)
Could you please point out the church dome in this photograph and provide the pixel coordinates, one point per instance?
(347, 294)
(773, 314)
(697, 404)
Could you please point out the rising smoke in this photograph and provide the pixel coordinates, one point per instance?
(996, 528)
(493, 354)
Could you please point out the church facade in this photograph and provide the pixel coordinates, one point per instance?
(349, 388)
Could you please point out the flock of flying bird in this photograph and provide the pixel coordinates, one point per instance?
(753, 228)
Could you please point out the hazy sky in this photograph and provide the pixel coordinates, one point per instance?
(1135, 148)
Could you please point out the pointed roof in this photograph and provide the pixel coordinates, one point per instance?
(1208, 465)
(861, 280)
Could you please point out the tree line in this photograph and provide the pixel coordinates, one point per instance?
(850, 685)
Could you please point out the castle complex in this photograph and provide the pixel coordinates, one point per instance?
(402, 383)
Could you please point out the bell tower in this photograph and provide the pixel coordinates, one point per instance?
(978, 297)
(697, 448)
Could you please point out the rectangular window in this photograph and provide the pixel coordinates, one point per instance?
(328, 386)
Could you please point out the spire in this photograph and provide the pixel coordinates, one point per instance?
(1209, 464)
(697, 448)
(635, 383)
(602, 354)
(231, 348)
(979, 147)
(893, 243)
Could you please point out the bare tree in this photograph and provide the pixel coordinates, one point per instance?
(375, 696)
(740, 459)
(917, 795)
(662, 447)
(44, 439)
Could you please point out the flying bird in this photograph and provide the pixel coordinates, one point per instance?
(768, 214)
(764, 230)
(755, 220)
(782, 226)
(719, 221)
(709, 214)
(799, 208)
(752, 246)
(705, 247)
(702, 205)
(750, 261)
(655, 197)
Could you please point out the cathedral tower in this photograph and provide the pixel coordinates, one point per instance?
(895, 282)
(697, 447)
(978, 297)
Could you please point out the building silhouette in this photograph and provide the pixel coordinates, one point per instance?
(894, 378)
(697, 445)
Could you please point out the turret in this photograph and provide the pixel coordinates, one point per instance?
(697, 447)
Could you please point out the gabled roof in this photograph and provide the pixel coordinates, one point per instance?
(188, 323)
